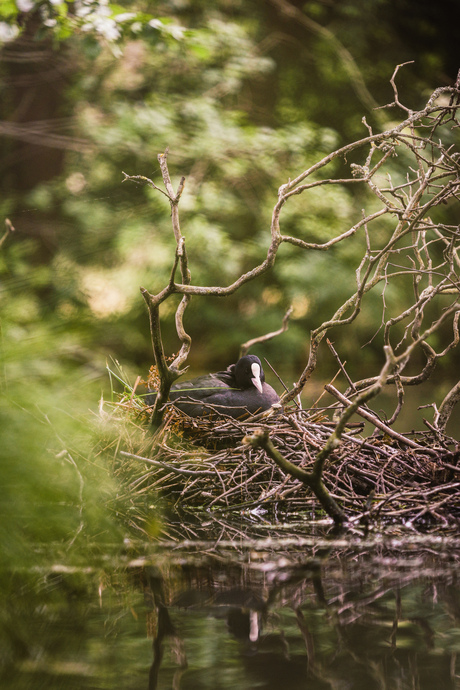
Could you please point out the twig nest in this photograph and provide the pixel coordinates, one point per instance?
(258, 439)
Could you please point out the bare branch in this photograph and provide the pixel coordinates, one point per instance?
(168, 374)
(447, 406)
(261, 439)
(245, 347)
(169, 467)
(8, 231)
(356, 407)
(403, 241)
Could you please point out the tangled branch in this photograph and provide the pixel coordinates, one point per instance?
(406, 174)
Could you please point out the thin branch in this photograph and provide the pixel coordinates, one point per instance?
(168, 374)
(367, 415)
(170, 468)
(8, 231)
(447, 406)
(245, 347)
(261, 439)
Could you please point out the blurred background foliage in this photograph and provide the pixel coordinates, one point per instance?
(245, 94)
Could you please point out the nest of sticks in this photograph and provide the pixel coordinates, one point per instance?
(206, 464)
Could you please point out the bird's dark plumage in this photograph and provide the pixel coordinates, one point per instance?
(238, 391)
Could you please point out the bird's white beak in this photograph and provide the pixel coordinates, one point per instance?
(255, 368)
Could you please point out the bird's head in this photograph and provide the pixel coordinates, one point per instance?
(249, 372)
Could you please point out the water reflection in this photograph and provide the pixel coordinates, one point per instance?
(377, 618)
(262, 612)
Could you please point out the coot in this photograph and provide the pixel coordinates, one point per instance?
(238, 391)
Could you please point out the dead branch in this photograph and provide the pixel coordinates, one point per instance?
(447, 406)
(368, 416)
(313, 480)
(170, 468)
(406, 173)
(9, 229)
(245, 347)
(168, 373)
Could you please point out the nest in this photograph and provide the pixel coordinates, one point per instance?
(206, 464)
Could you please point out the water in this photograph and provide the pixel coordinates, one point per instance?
(242, 605)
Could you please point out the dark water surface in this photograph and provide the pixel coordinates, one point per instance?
(243, 607)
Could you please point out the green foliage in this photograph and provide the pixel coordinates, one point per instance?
(122, 239)
(94, 21)
(55, 495)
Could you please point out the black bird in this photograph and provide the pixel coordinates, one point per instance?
(238, 391)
